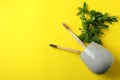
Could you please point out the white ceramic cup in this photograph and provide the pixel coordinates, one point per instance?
(97, 58)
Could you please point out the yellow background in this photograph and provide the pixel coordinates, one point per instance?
(28, 26)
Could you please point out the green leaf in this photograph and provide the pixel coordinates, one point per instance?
(104, 26)
(105, 17)
(80, 11)
(83, 37)
(83, 10)
(111, 19)
(92, 13)
(92, 19)
(85, 5)
(98, 14)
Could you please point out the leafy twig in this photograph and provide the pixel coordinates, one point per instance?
(93, 24)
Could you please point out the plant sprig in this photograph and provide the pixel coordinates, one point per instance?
(92, 25)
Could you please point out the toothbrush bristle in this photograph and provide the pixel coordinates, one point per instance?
(66, 26)
(53, 45)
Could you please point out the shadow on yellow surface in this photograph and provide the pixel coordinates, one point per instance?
(114, 72)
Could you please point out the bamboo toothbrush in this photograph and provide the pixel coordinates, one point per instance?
(66, 49)
(74, 36)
